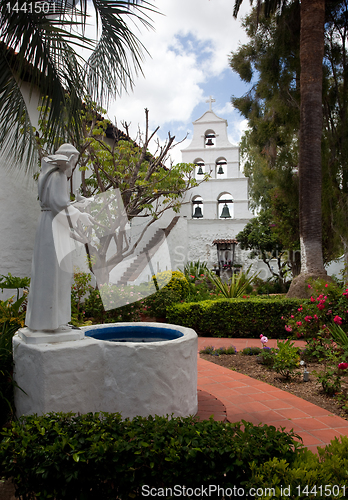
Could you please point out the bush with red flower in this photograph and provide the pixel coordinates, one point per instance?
(327, 304)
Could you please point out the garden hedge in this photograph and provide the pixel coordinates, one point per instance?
(311, 476)
(235, 318)
(99, 456)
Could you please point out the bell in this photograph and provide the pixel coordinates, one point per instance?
(209, 142)
(200, 170)
(198, 213)
(221, 170)
(225, 214)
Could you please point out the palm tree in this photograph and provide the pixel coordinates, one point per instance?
(311, 60)
(39, 44)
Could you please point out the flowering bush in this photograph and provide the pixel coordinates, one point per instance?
(173, 280)
(327, 304)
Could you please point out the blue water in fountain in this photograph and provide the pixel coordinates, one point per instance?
(133, 333)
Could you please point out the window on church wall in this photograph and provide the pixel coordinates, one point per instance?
(221, 168)
(200, 169)
(197, 207)
(209, 139)
(225, 206)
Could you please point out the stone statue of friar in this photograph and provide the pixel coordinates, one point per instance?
(49, 302)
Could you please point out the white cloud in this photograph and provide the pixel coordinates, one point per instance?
(189, 50)
(190, 45)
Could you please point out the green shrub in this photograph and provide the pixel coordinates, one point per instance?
(286, 359)
(219, 351)
(156, 305)
(12, 316)
(176, 289)
(234, 318)
(91, 456)
(309, 476)
(317, 349)
(266, 357)
(270, 286)
(178, 283)
(251, 351)
(93, 310)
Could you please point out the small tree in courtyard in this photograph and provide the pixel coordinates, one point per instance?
(129, 183)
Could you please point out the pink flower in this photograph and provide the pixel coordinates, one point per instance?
(292, 316)
(312, 299)
(263, 339)
(326, 285)
(300, 309)
(343, 366)
(299, 323)
(288, 328)
(308, 319)
(338, 320)
(309, 286)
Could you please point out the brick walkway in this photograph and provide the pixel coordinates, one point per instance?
(231, 396)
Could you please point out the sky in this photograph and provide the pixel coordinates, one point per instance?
(189, 49)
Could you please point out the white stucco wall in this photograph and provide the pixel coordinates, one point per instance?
(19, 208)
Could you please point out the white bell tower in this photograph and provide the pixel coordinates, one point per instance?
(217, 209)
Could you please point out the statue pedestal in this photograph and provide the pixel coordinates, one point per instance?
(47, 337)
(90, 375)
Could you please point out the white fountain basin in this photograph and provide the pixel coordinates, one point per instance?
(142, 377)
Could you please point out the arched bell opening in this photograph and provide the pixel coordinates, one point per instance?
(225, 207)
(200, 167)
(221, 168)
(197, 207)
(209, 138)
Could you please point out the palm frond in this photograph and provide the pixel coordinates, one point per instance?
(119, 54)
(339, 336)
(40, 49)
(16, 132)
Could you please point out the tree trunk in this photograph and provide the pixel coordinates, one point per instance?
(311, 124)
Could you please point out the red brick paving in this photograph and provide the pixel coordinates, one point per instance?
(231, 396)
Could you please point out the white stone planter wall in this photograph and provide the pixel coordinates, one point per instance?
(92, 375)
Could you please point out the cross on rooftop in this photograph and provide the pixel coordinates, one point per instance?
(210, 100)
